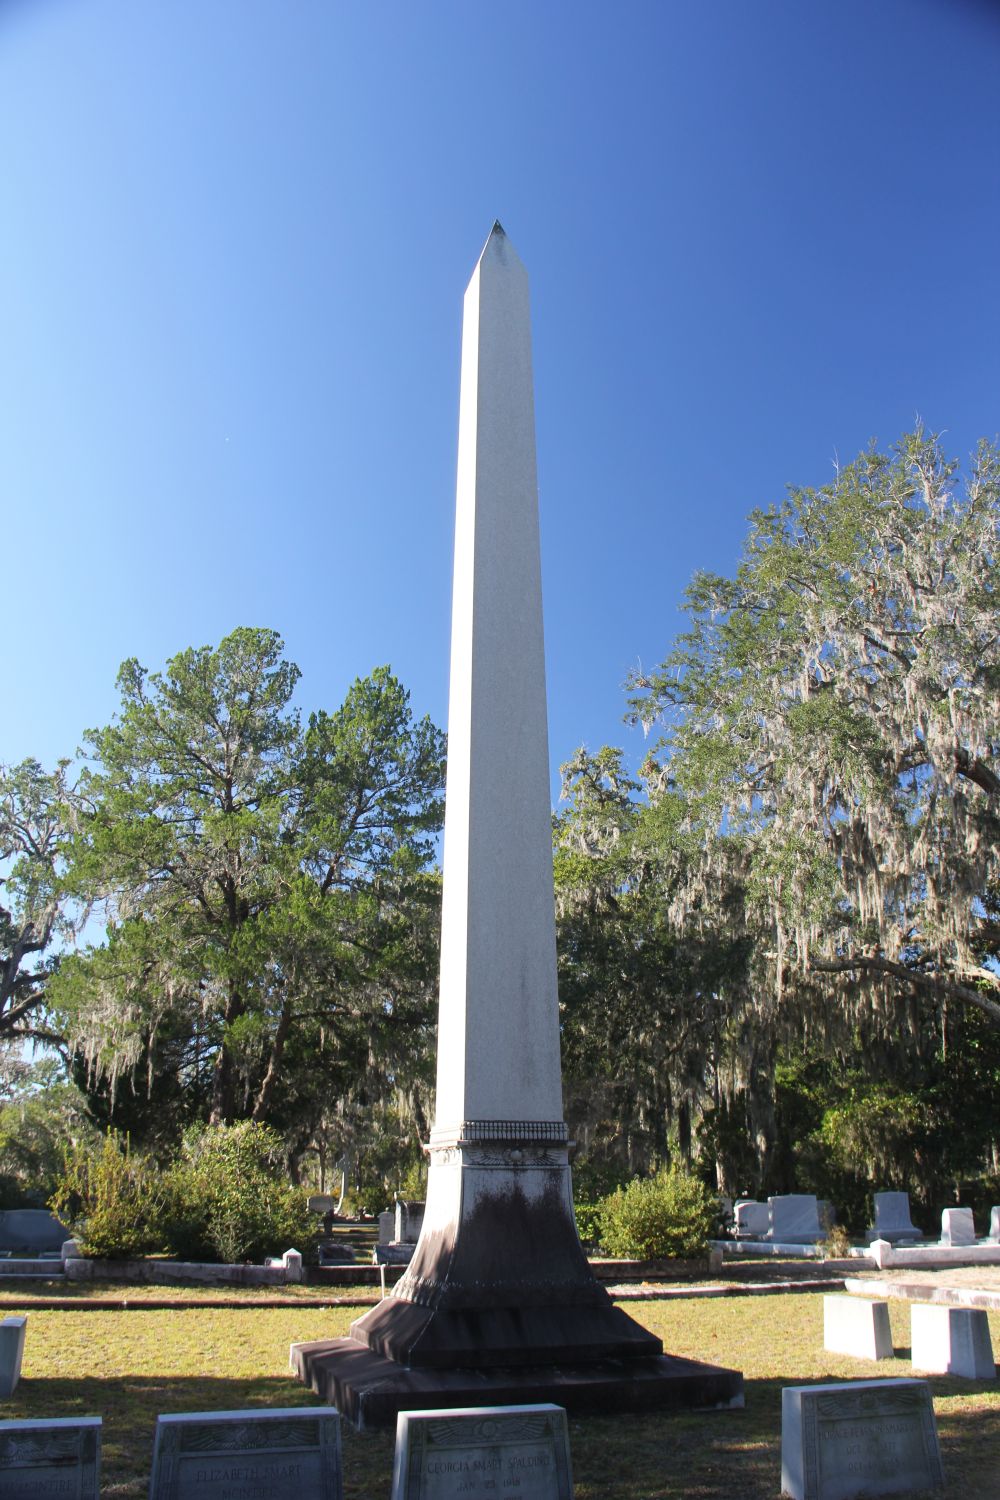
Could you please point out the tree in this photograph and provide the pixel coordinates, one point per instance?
(646, 1004)
(34, 913)
(260, 882)
(832, 722)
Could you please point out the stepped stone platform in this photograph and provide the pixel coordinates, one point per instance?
(370, 1390)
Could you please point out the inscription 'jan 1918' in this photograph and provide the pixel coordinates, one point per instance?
(483, 1453)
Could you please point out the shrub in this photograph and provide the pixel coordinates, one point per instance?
(225, 1199)
(588, 1222)
(671, 1214)
(110, 1199)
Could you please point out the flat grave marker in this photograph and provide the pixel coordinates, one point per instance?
(858, 1437)
(483, 1453)
(277, 1453)
(55, 1459)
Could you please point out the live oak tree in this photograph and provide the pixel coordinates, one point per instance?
(34, 912)
(646, 1003)
(832, 726)
(265, 885)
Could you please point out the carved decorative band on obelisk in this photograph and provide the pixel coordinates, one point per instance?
(499, 1292)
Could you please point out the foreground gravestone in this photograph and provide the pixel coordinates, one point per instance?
(892, 1219)
(858, 1326)
(994, 1234)
(386, 1227)
(280, 1454)
(951, 1341)
(795, 1219)
(58, 1459)
(520, 1451)
(858, 1437)
(957, 1227)
(11, 1351)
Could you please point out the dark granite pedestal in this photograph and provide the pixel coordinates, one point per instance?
(499, 1305)
(370, 1390)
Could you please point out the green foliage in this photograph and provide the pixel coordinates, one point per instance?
(671, 1214)
(271, 943)
(34, 909)
(42, 1114)
(634, 983)
(588, 1221)
(831, 721)
(111, 1198)
(225, 1198)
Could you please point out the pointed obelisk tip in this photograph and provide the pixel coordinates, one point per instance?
(498, 248)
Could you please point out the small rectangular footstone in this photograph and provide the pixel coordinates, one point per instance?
(858, 1326)
(858, 1437)
(951, 1341)
(11, 1352)
(486, 1452)
(282, 1453)
(54, 1459)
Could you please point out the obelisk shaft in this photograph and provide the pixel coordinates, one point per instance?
(498, 1036)
(498, 1277)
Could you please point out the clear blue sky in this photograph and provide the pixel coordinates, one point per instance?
(234, 239)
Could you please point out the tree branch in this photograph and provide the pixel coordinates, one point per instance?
(937, 984)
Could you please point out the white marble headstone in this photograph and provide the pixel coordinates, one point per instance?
(892, 1218)
(483, 1453)
(951, 1341)
(278, 1453)
(957, 1227)
(12, 1331)
(753, 1219)
(858, 1437)
(857, 1326)
(54, 1459)
(795, 1219)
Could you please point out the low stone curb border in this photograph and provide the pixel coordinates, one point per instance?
(922, 1291)
(625, 1293)
(731, 1289)
(176, 1304)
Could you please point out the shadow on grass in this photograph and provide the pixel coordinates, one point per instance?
(654, 1456)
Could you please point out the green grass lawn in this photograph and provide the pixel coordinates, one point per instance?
(129, 1366)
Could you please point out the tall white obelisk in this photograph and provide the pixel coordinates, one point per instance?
(498, 1035)
(499, 1235)
(499, 1302)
